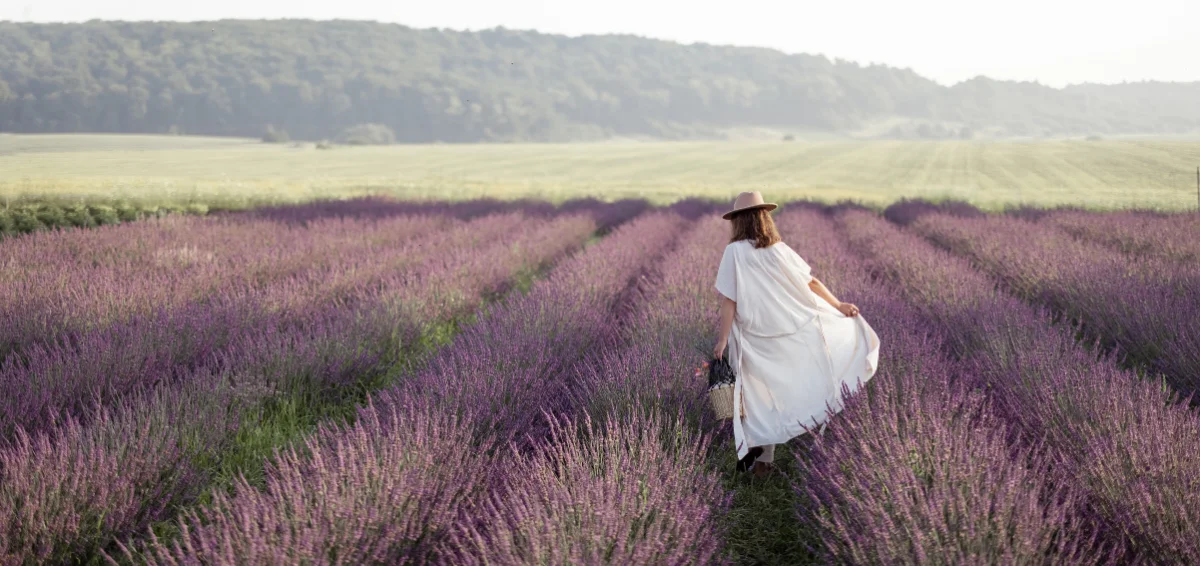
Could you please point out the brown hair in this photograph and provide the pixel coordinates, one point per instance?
(755, 225)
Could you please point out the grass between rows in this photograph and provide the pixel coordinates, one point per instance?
(762, 527)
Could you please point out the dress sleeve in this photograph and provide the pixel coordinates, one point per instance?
(727, 274)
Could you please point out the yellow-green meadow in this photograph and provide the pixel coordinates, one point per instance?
(1102, 174)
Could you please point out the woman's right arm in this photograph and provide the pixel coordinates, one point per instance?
(728, 309)
(819, 289)
(822, 291)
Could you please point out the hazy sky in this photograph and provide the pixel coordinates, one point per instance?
(1052, 41)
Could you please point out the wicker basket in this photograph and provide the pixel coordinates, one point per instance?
(720, 398)
(721, 380)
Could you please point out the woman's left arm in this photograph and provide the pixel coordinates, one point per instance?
(822, 291)
(728, 309)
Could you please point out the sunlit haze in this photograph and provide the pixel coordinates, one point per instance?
(1055, 42)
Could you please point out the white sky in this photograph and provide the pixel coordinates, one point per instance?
(1055, 42)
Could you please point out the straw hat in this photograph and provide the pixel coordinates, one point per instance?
(748, 201)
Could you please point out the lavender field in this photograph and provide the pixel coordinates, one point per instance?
(512, 382)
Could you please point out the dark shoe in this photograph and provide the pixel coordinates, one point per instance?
(744, 464)
(763, 469)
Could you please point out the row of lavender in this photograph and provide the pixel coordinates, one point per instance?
(303, 278)
(68, 282)
(942, 458)
(1169, 236)
(86, 316)
(1117, 455)
(487, 455)
(56, 283)
(1131, 278)
(1146, 305)
(620, 481)
(136, 444)
(617, 347)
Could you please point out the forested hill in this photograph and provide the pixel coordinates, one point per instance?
(316, 79)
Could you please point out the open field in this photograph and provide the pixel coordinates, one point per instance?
(232, 172)
(516, 383)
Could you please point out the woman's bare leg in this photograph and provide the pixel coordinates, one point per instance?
(768, 454)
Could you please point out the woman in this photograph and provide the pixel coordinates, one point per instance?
(792, 344)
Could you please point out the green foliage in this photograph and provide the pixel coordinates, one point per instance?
(126, 213)
(52, 216)
(318, 78)
(367, 134)
(168, 209)
(105, 215)
(26, 217)
(25, 221)
(196, 208)
(79, 216)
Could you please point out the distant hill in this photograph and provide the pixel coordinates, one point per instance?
(315, 80)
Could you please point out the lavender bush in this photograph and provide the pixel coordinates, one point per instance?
(633, 491)
(606, 214)
(907, 211)
(63, 495)
(1169, 236)
(386, 490)
(378, 207)
(666, 336)
(1122, 442)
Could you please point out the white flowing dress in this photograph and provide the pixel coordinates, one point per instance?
(791, 350)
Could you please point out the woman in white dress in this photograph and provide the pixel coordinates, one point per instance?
(792, 344)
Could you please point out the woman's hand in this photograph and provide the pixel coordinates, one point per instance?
(719, 349)
(848, 309)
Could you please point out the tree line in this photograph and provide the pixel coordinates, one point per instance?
(318, 80)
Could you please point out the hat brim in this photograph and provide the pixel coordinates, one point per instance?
(767, 205)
